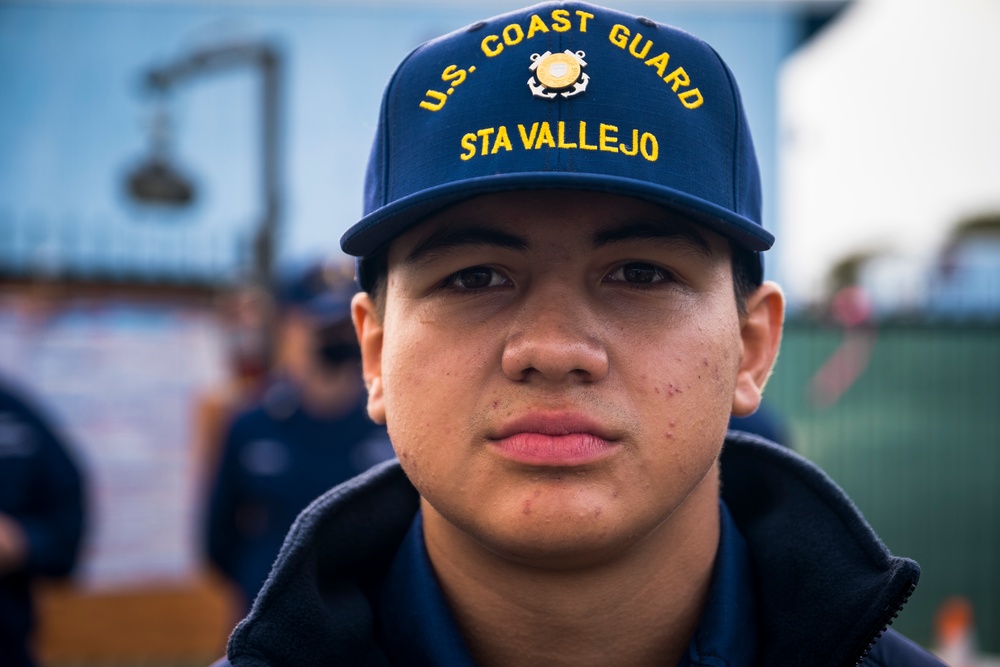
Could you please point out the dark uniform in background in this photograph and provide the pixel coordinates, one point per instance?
(41, 517)
(277, 458)
(286, 450)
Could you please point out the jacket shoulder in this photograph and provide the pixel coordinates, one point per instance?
(894, 650)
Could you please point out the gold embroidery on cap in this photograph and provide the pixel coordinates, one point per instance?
(564, 135)
(558, 74)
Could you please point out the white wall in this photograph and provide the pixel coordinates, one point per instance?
(890, 133)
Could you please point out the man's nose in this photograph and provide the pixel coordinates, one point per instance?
(555, 337)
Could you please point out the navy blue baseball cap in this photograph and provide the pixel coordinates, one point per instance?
(321, 289)
(562, 95)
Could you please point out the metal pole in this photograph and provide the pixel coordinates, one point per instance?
(264, 246)
(267, 60)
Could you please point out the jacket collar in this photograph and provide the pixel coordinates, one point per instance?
(417, 628)
(827, 587)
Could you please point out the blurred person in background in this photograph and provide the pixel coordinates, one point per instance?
(309, 431)
(246, 316)
(41, 517)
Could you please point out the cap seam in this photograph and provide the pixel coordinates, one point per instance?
(737, 130)
(391, 99)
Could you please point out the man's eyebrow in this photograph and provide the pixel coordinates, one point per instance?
(648, 230)
(446, 238)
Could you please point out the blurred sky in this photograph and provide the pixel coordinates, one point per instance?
(890, 135)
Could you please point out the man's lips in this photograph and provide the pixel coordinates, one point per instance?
(560, 439)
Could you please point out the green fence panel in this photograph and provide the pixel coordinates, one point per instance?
(913, 436)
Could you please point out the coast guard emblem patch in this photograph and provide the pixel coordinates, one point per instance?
(558, 74)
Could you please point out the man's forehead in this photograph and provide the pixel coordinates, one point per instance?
(512, 219)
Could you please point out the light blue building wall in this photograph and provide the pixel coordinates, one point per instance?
(73, 121)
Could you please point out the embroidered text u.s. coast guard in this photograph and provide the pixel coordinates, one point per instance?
(563, 76)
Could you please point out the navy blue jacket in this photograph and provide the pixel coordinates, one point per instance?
(276, 459)
(40, 489)
(827, 588)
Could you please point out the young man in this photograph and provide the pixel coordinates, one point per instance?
(563, 305)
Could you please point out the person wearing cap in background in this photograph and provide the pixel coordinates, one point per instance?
(563, 304)
(309, 432)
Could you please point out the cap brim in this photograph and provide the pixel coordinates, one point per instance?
(375, 229)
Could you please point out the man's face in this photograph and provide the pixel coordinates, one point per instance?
(556, 368)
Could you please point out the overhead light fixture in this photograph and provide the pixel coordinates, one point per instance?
(155, 180)
(158, 182)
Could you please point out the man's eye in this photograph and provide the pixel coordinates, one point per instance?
(638, 273)
(476, 277)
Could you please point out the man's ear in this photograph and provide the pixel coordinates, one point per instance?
(760, 332)
(368, 327)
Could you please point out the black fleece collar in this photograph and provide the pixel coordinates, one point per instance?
(827, 587)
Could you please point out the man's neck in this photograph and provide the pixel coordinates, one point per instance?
(513, 614)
